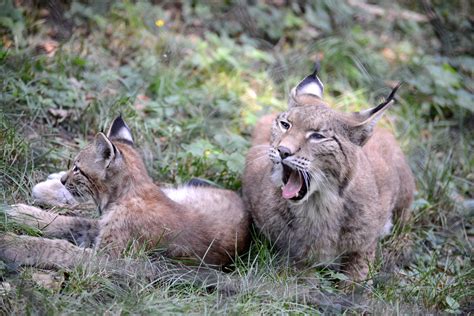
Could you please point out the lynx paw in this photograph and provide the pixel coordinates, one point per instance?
(7, 247)
(53, 192)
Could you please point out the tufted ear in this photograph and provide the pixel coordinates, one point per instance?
(120, 130)
(311, 85)
(105, 150)
(367, 119)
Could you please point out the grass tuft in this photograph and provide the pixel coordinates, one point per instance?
(191, 88)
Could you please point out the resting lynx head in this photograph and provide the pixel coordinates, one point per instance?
(313, 146)
(107, 168)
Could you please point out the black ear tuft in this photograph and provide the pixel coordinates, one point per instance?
(120, 130)
(317, 68)
(368, 118)
(390, 98)
(311, 84)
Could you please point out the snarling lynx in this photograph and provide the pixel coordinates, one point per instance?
(192, 222)
(323, 185)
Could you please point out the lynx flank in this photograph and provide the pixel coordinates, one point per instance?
(324, 186)
(191, 222)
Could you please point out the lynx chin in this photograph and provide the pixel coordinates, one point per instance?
(325, 186)
(196, 222)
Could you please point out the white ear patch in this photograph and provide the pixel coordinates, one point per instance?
(124, 133)
(311, 85)
(120, 130)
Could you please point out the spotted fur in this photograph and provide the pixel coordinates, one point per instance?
(356, 176)
(199, 223)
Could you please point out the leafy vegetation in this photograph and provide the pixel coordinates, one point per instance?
(192, 79)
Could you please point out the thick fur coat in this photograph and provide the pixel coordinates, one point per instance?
(324, 186)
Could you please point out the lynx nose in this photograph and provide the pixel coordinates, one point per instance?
(284, 152)
(64, 179)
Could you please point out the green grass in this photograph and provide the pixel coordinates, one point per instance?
(191, 91)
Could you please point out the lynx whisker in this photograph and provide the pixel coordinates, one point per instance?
(306, 178)
(318, 177)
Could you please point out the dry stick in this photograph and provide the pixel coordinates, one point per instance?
(388, 14)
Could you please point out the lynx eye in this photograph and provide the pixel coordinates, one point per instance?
(316, 135)
(285, 125)
(75, 169)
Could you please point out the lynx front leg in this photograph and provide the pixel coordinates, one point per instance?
(356, 264)
(78, 230)
(113, 240)
(41, 252)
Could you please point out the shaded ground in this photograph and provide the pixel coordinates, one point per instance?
(191, 81)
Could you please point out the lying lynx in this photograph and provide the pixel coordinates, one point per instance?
(323, 185)
(192, 222)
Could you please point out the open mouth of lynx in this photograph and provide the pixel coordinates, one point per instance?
(294, 185)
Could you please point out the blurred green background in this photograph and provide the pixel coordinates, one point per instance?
(191, 79)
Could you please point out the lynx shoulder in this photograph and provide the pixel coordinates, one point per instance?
(324, 186)
(199, 223)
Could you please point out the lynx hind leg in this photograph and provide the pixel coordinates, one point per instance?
(41, 252)
(52, 192)
(78, 230)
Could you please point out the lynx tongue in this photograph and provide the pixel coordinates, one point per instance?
(293, 186)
